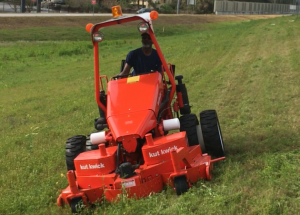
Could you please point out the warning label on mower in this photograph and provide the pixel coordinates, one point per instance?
(129, 183)
(92, 166)
(161, 152)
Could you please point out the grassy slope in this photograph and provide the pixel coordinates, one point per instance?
(247, 71)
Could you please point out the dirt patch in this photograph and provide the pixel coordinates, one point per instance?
(33, 22)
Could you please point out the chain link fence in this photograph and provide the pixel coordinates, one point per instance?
(236, 7)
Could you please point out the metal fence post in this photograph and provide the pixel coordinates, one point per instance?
(297, 7)
(23, 10)
(178, 2)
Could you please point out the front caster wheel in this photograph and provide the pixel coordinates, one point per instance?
(76, 204)
(180, 184)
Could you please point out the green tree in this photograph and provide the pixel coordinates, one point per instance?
(152, 4)
(16, 4)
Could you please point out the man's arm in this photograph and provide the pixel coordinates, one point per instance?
(126, 69)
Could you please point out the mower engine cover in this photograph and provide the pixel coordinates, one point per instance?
(130, 116)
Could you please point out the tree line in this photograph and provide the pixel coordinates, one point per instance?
(169, 6)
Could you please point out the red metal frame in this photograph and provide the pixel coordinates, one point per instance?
(165, 156)
(122, 20)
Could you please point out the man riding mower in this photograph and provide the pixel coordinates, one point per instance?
(149, 140)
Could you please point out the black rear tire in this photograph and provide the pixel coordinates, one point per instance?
(212, 134)
(181, 185)
(74, 146)
(190, 124)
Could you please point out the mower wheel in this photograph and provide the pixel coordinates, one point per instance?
(76, 204)
(89, 145)
(212, 134)
(74, 146)
(180, 184)
(190, 124)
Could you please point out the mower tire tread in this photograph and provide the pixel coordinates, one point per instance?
(180, 184)
(188, 123)
(212, 134)
(74, 146)
(89, 145)
(76, 204)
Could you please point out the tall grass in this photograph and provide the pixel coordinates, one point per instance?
(247, 71)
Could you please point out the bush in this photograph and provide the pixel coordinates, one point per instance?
(166, 8)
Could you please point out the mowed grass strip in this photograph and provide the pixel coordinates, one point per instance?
(247, 71)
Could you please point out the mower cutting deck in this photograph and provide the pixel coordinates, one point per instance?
(136, 154)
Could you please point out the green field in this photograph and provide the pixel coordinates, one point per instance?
(248, 71)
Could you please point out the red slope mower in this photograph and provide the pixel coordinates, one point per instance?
(137, 153)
